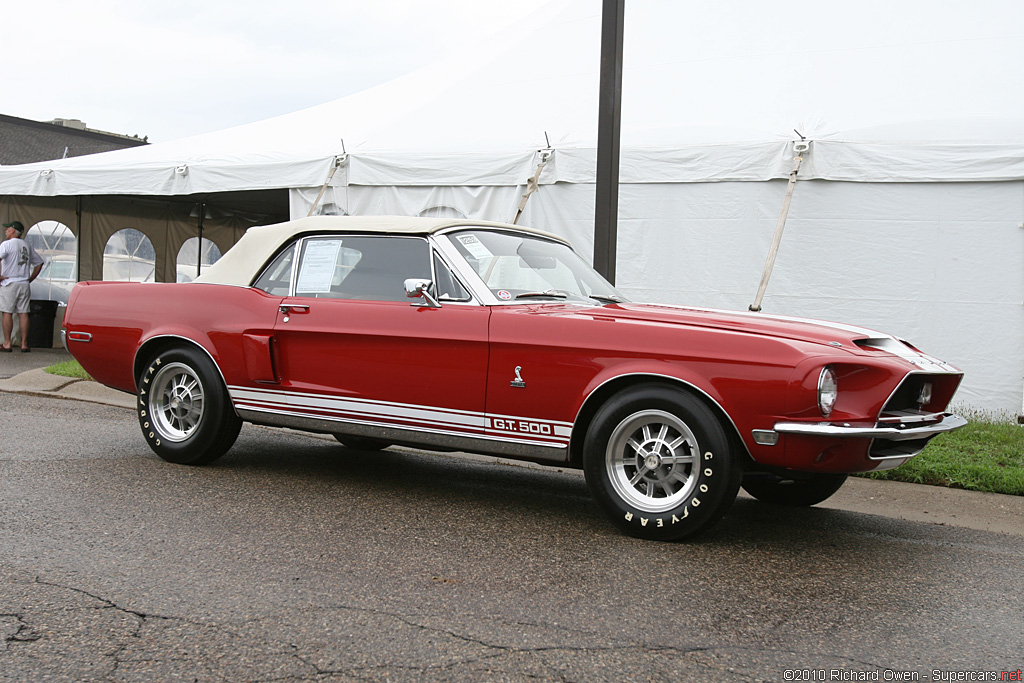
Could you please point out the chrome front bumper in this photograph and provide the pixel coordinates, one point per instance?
(948, 423)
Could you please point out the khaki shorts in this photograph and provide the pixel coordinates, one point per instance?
(14, 298)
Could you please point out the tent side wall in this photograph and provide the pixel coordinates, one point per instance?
(94, 219)
(938, 264)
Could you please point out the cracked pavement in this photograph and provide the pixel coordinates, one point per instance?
(294, 559)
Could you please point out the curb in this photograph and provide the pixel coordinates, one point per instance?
(41, 383)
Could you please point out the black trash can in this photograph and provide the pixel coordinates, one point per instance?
(41, 315)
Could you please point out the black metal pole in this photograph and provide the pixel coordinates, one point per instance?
(606, 210)
(80, 243)
(199, 251)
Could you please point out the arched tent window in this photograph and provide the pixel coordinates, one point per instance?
(129, 255)
(442, 212)
(59, 248)
(189, 255)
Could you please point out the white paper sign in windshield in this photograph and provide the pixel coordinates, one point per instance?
(318, 264)
(475, 247)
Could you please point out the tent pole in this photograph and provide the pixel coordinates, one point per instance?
(773, 252)
(606, 211)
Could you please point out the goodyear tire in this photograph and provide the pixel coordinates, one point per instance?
(800, 491)
(184, 409)
(658, 461)
(361, 443)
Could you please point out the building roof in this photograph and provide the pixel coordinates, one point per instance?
(24, 141)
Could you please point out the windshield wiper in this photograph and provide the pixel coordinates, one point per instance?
(553, 293)
(607, 299)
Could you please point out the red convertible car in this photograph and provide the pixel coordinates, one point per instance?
(497, 339)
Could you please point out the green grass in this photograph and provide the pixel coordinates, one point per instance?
(986, 455)
(69, 368)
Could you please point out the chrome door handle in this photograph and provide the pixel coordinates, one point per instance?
(288, 309)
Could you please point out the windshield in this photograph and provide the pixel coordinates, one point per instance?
(522, 267)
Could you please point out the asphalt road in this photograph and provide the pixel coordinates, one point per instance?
(294, 559)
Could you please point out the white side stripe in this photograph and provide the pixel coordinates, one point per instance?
(400, 414)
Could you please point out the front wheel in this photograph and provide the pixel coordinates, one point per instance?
(658, 461)
(184, 409)
(800, 491)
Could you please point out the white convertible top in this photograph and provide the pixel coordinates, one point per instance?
(240, 264)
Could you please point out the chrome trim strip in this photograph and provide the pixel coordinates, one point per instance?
(445, 259)
(488, 445)
(505, 227)
(462, 270)
(948, 424)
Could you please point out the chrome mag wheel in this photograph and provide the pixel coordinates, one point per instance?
(178, 401)
(652, 461)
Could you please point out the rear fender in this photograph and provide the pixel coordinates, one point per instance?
(161, 342)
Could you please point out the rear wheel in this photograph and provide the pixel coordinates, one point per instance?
(184, 409)
(658, 462)
(800, 491)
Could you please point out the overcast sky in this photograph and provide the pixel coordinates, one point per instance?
(171, 70)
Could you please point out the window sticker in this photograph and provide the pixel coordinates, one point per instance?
(318, 262)
(505, 295)
(474, 246)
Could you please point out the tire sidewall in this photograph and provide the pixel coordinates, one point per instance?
(201, 445)
(717, 479)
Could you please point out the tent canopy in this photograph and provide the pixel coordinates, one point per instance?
(905, 92)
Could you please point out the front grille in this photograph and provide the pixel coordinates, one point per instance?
(904, 409)
(904, 402)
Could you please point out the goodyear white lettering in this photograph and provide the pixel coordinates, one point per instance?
(695, 502)
(661, 522)
(643, 522)
(629, 516)
(708, 456)
(707, 472)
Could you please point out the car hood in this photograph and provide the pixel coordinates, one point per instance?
(833, 336)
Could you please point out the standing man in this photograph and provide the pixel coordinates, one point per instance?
(19, 265)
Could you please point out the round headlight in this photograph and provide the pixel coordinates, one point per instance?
(828, 390)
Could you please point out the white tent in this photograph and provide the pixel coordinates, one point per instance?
(907, 215)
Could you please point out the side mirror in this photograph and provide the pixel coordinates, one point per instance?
(419, 287)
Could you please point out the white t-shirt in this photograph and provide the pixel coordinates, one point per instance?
(17, 260)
